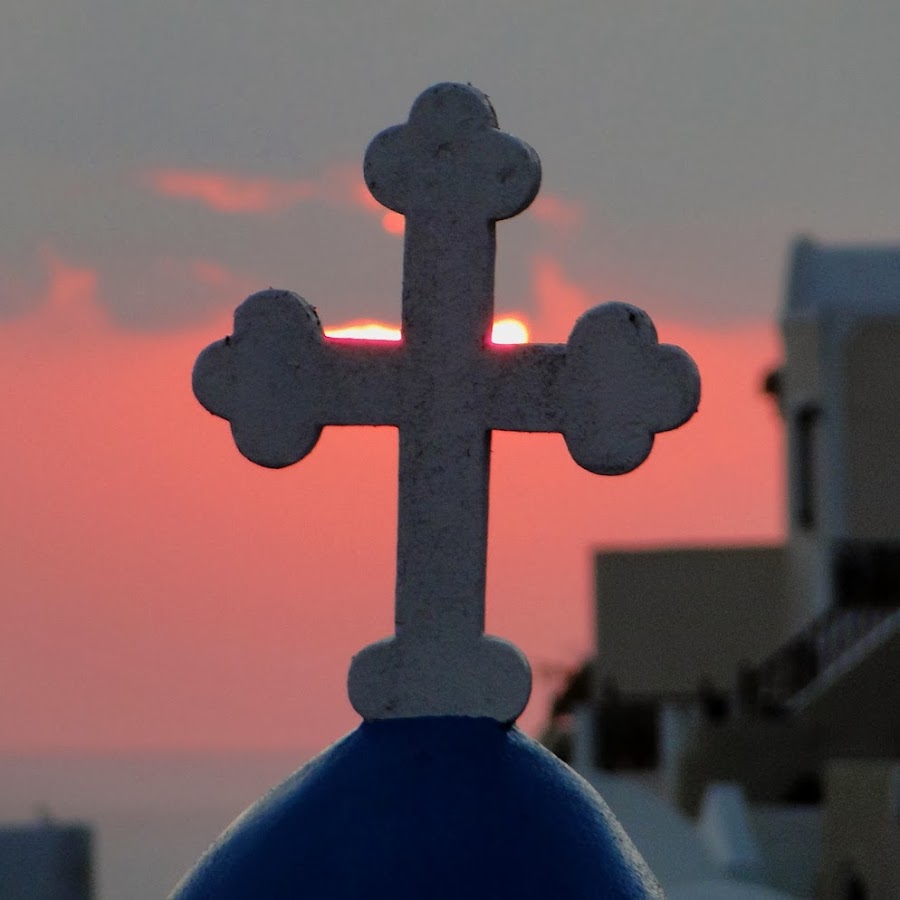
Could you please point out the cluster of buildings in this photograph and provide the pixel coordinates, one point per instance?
(741, 713)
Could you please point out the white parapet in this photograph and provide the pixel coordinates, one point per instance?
(728, 834)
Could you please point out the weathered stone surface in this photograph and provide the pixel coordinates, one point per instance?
(278, 380)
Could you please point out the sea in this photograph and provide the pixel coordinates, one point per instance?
(152, 815)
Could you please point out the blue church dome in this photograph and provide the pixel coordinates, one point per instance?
(428, 808)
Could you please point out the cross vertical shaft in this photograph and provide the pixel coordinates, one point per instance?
(452, 174)
(444, 459)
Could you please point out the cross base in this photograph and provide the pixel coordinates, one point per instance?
(396, 678)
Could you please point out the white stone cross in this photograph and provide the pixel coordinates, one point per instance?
(452, 173)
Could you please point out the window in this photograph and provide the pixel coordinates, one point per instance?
(629, 736)
(855, 889)
(867, 574)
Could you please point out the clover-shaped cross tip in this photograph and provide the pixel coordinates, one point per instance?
(621, 387)
(450, 157)
(448, 674)
(265, 378)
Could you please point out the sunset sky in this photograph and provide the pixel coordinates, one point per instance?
(158, 162)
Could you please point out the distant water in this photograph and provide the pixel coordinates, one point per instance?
(152, 815)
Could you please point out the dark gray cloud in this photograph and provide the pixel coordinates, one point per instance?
(698, 137)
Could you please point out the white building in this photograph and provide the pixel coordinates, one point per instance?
(770, 675)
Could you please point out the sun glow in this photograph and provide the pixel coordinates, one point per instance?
(393, 223)
(509, 330)
(365, 331)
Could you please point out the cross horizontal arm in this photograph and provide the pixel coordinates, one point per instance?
(523, 391)
(360, 382)
(608, 390)
(279, 380)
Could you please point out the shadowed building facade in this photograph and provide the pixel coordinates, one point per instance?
(778, 668)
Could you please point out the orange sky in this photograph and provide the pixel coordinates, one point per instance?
(159, 591)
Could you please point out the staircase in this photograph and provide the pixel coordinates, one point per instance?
(824, 647)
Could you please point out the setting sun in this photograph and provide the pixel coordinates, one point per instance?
(365, 331)
(508, 330)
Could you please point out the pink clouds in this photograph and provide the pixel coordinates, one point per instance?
(76, 295)
(67, 306)
(227, 192)
(341, 185)
(239, 193)
(557, 212)
(232, 193)
(560, 301)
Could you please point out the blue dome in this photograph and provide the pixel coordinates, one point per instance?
(441, 808)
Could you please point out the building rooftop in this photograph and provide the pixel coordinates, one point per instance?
(843, 278)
